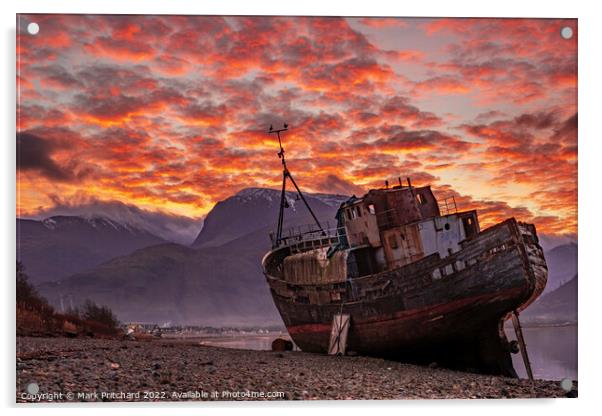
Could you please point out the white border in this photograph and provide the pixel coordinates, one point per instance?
(590, 203)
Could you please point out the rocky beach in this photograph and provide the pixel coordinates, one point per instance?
(63, 369)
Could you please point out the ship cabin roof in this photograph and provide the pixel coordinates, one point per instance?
(402, 224)
(384, 229)
(393, 206)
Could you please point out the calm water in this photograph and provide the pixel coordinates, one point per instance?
(552, 350)
(251, 342)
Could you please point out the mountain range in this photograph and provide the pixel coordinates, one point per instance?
(253, 209)
(215, 281)
(558, 306)
(60, 246)
(562, 265)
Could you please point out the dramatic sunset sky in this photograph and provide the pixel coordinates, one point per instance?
(166, 115)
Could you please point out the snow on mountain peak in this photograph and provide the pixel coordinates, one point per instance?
(249, 194)
(49, 223)
(270, 195)
(332, 200)
(273, 196)
(95, 221)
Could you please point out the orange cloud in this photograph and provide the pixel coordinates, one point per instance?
(442, 85)
(383, 22)
(171, 112)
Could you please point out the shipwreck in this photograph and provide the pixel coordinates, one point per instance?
(406, 277)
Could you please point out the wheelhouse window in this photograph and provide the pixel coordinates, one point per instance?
(421, 199)
(393, 241)
(371, 209)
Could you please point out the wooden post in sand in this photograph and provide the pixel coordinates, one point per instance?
(521, 341)
(338, 334)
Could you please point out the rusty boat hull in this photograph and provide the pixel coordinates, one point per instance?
(447, 310)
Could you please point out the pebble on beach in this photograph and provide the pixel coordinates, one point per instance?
(65, 369)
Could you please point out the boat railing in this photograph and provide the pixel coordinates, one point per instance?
(309, 233)
(448, 206)
(390, 217)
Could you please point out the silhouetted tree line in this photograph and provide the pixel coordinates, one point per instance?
(27, 295)
(92, 312)
(88, 315)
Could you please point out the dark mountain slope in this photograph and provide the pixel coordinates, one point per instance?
(60, 246)
(562, 265)
(173, 283)
(556, 307)
(218, 283)
(255, 208)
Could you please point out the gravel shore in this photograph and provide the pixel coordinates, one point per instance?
(63, 369)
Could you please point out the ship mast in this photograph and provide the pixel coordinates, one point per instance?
(287, 174)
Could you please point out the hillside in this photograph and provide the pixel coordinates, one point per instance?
(173, 283)
(556, 307)
(60, 246)
(255, 208)
(218, 281)
(562, 265)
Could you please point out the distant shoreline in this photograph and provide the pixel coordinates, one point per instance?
(533, 325)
